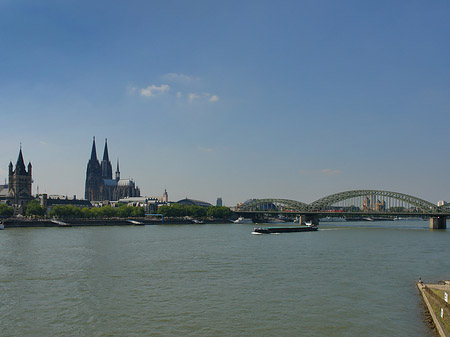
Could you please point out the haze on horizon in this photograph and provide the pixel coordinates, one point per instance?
(231, 99)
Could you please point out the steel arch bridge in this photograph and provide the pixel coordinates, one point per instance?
(393, 198)
(273, 204)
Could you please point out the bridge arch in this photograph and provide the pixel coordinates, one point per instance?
(278, 204)
(378, 196)
(359, 200)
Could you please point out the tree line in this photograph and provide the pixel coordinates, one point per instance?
(177, 210)
(33, 208)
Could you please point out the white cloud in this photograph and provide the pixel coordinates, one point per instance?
(329, 172)
(192, 96)
(154, 90)
(179, 94)
(214, 98)
(210, 97)
(179, 78)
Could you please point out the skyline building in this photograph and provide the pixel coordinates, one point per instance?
(18, 190)
(100, 186)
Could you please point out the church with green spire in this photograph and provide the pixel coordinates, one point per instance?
(100, 185)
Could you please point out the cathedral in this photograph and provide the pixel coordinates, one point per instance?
(100, 185)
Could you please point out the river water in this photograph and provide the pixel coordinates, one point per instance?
(354, 279)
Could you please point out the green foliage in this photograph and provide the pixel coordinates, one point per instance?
(107, 212)
(124, 211)
(65, 211)
(34, 208)
(68, 211)
(137, 211)
(220, 212)
(5, 210)
(196, 211)
(177, 210)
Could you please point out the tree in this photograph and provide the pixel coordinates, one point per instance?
(138, 212)
(107, 212)
(34, 208)
(124, 211)
(6, 211)
(196, 211)
(220, 212)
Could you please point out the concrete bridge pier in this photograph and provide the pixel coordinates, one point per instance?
(438, 222)
(313, 219)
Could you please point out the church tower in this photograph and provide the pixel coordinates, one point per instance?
(165, 197)
(20, 181)
(106, 164)
(94, 181)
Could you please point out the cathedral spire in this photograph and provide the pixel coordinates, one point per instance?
(94, 151)
(105, 152)
(117, 171)
(106, 164)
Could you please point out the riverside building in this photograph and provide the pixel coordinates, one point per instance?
(18, 191)
(100, 185)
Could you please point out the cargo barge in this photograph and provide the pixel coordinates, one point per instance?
(277, 230)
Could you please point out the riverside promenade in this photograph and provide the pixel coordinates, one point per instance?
(25, 222)
(436, 297)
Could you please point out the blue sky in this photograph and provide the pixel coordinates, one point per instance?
(231, 99)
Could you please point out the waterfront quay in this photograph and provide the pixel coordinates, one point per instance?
(30, 223)
(436, 297)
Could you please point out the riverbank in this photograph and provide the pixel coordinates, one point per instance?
(26, 223)
(434, 296)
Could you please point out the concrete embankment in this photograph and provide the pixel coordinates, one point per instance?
(19, 223)
(437, 305)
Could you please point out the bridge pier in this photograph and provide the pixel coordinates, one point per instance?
(438, 222)
(313, 219)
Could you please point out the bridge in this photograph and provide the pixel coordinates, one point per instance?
(357, 203)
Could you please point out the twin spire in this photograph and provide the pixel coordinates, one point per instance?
(106, 167)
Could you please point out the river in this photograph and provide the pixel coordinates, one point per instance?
(350, 279)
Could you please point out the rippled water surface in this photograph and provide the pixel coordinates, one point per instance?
(353, 279)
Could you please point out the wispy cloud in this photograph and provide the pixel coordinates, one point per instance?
(204, 149)
(192, 97)
(214, 98)
(131, 89)
(154, 90)
(330, 172)
(180, 78)
(204, 96)
(182, 86)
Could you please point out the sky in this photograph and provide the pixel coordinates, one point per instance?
(232, 99)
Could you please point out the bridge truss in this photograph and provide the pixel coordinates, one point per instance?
(351, 201)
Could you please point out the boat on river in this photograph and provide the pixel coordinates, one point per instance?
(278, 230)
(243, 220)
